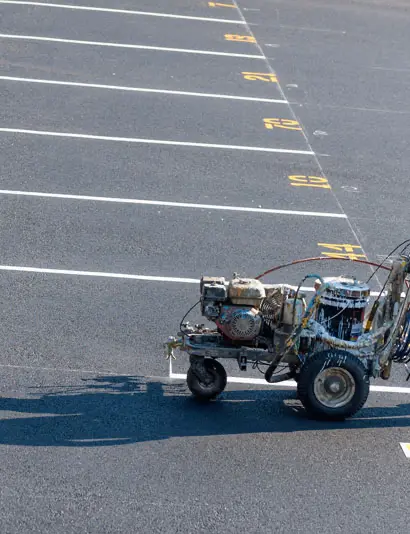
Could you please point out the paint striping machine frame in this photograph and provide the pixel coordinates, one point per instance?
(331, 346)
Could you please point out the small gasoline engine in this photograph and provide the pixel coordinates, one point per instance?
(330, 346)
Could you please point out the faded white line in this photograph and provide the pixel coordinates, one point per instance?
(59, 369)
(122, 11)
(132, 46)
(303, 131)
(80, 371)
(391, 69)
(307, 29)
(292, 384)
(15, 268)
(154, 141)
(140, 89)
(351, 108)
(173, 204)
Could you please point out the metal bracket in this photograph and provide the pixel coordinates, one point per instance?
(242, 362)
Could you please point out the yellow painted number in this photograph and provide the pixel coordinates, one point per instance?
(263, 77)
(241, 38)
(217, 4)
(287, 124)
(351, 252)
(300, 180)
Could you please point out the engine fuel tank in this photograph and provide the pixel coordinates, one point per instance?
(246, 291)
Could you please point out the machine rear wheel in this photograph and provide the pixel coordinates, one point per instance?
(333, 384)
(210, 382)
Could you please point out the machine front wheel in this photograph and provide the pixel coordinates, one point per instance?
(333, 385)
(208, 381)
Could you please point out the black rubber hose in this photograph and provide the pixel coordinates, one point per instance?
(277, 378)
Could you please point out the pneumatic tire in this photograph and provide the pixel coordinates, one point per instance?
(215, 383)
(333, 385)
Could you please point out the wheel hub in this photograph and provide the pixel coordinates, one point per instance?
(334, 387)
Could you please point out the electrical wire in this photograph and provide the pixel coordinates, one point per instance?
(316, 277)
(402, 352)
(183, 318)
(388, 256)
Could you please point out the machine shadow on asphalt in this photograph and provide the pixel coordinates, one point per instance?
(116, 410)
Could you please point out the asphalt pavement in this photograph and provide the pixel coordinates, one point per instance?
(143, 145)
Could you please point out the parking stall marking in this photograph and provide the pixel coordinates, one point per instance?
(270, 211)
(342, 251)
(260, 76)
(286, 124)
(130, 46)
(140, 89)
(301, 180)
(299, 127)
(121, 11)
(98, 274)
(240, 38)
(292, 384)
(141, 277)
(154, 141)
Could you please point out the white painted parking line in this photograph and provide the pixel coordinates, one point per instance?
(292, 383)
(406, 449)
(148, 278)
(122, 11)
(173, 204)
(121, 45)
(140, 89)
(154, 141)
(15, 268)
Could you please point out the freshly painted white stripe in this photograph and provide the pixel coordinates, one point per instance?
(292, 383)
(40, 270)
(406, 449)
(122, 11)
(140, 89)
(99, 274)
(154, 141)
(238, 380)
(173, 204)
(389, 389)
(120, 45)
